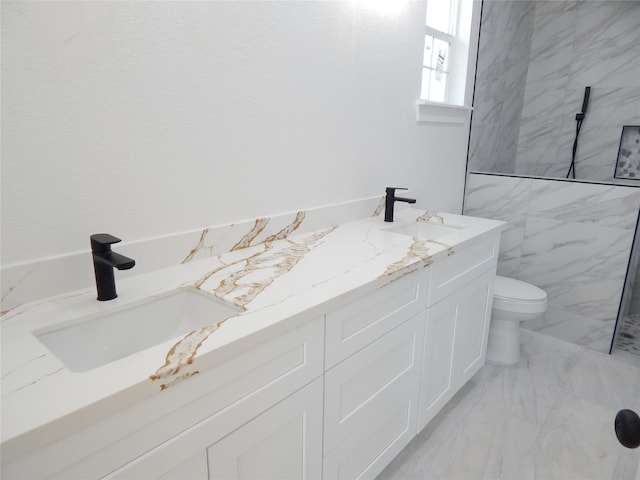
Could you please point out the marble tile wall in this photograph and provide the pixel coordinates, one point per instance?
(571, 239)
(627, 335)
(632, 287)
(51, 276)
(634, 306)
(503, 56)
(535, 60)
(574, 45)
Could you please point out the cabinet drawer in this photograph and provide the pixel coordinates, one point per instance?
(283, 442)
(451, 274)
(254, 379)
(368, 450)
(353, 326)
(358, 388)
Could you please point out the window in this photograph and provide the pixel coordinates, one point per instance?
(447, 53)
(439, 43)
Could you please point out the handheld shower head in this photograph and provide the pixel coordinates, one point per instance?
(585, 101)
(579, 119)
(585, 104)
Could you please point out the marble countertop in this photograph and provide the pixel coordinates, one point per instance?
(273, 285)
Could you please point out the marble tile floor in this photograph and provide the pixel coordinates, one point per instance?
(548, 417)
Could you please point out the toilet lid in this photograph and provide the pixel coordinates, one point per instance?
(513, 295)
(510, 288)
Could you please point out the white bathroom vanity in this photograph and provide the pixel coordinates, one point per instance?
(333, 350)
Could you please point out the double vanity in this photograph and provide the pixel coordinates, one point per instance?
(318, 355)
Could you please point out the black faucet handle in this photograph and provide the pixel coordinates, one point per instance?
(101, 242)
(392, 190)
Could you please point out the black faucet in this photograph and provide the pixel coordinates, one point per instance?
(391, 200)
(104, 261)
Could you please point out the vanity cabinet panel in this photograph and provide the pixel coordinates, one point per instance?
(283, 442)
(357, 388)
(453, 273)
(357, 324)
(455, 344)
(473, 328)
(370, 448)
(252, 380)
(437, 386)
(172, 460)
(195, 468)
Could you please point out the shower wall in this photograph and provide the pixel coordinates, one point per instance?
(501, 74)
(535, 59)
(628, 329)
(574, 45)
(571, 239)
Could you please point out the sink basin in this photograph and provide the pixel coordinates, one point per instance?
(92, 341)
(425, 230)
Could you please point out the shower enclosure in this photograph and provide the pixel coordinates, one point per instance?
(531, 103)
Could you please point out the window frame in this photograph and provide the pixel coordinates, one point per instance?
(462, 64)
(451, 41)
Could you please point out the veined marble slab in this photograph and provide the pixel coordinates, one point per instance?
(575, 45)
(275, 284)
(571, 239)
(503, 60)
(43, 278)
(502, 200)
(535, 59)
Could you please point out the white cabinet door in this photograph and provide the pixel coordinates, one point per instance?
(285, 442)
(359, 387)
(371, 401)
(371, 447)
(437, 371)
(473, 328)
(455, 344)
(195, 468)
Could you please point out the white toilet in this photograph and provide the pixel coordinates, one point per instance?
(513, 302)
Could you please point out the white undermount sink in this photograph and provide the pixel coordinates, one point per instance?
(425, 230)
(92, 341)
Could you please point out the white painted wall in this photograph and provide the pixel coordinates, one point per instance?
(149, 118)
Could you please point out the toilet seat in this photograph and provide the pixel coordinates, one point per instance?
(512, 295)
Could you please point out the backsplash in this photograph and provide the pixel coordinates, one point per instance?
(569, 238)
(52, 276)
